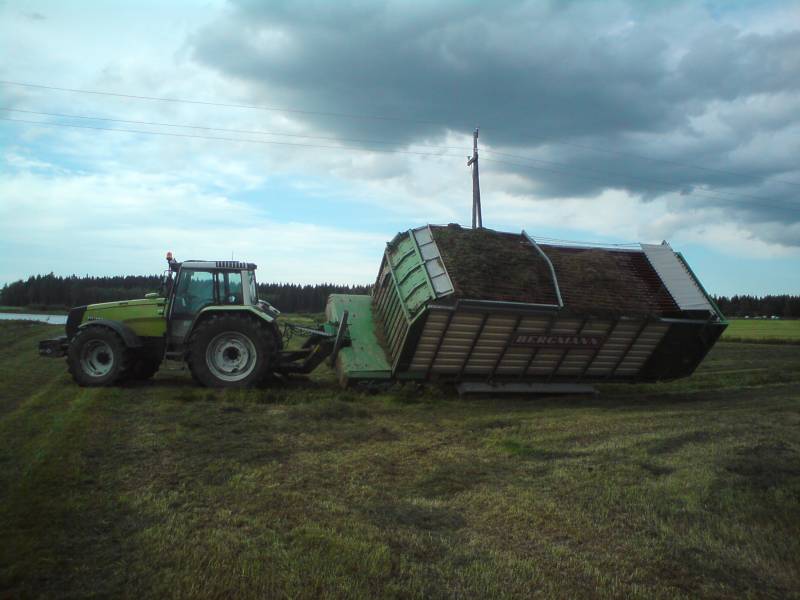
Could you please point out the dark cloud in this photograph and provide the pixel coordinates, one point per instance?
(553, 82)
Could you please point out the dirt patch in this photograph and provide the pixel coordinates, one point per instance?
(766, 465)
(447, 479)
(676, 442)
(657, 470)
(524, 450)
(415, 515)
(327, 410)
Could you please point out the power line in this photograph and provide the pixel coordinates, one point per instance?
(205, 128)
(605, 150)
(220, 104)
(548, 240)
(634, 177)
(355, 140)
(668, 184)
(572, 172)
(650, 158)
(220, 138)
(583, 176)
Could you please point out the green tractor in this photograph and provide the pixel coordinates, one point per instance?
(207, 315)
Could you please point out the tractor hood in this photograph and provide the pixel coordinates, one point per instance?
(123, 303)
(144, 316)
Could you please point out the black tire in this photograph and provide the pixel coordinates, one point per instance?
(143, 368)
(231, 351)
(97, 356)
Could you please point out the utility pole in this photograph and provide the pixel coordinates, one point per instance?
(477, 219)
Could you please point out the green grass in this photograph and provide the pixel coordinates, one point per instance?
(760, 330)
(688, 489)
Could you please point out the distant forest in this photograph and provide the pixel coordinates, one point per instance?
(52, 291)
(784, 306)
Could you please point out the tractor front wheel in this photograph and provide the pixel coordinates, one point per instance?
(97, 356)
(231, 351)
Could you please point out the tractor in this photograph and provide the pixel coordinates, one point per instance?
(207, 315)
(483, 309)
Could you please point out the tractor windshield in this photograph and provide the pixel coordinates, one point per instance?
(195, 290)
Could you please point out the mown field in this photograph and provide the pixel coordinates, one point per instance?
(763, 330)
(689, 489)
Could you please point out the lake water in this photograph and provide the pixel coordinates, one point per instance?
(50, 319)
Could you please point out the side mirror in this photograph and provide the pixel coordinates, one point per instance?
(166, 285)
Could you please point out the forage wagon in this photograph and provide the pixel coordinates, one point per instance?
(497, 309)
(485, 309)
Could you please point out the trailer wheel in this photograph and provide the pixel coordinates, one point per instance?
(231, 351)
(97, 356)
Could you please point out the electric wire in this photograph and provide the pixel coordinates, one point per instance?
(549, 240)
(223, 129)
(570, 172)
(631, 177)
(220, 104)
(694, 192)
(226, 139)
(390, 118)
(652, 159)
(256, 132)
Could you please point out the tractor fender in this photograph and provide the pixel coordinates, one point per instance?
(126, 333)
(250, 311)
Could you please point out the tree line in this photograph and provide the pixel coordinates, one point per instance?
(53, 291)
(784, 305)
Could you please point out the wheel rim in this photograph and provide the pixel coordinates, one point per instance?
(97, 358)
(231, 356)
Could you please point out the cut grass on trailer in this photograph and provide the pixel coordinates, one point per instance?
(163, 489)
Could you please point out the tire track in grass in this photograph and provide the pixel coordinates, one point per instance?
(22, 370)
(40, 474)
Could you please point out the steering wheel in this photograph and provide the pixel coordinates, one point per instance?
(187, 300)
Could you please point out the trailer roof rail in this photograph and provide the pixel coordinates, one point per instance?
(549, 265)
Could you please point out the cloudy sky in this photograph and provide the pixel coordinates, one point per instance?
(304, 135)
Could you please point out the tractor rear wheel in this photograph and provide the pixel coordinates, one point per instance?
(231, 351)
(97, 356)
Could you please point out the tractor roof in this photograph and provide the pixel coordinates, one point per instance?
(233, 265)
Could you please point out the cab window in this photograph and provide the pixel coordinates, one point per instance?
(195, 290)
(251, 282)
(230, 287)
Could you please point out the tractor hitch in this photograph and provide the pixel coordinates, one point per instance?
(321, 344)
(54, 348)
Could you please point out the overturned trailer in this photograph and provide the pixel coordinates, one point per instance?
(477, 305)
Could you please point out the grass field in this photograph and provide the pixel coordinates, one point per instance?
(763, 330)
(688, 489)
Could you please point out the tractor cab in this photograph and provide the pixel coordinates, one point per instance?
(193, 287)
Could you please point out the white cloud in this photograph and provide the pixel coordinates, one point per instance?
(105, 202)
(106, 224)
